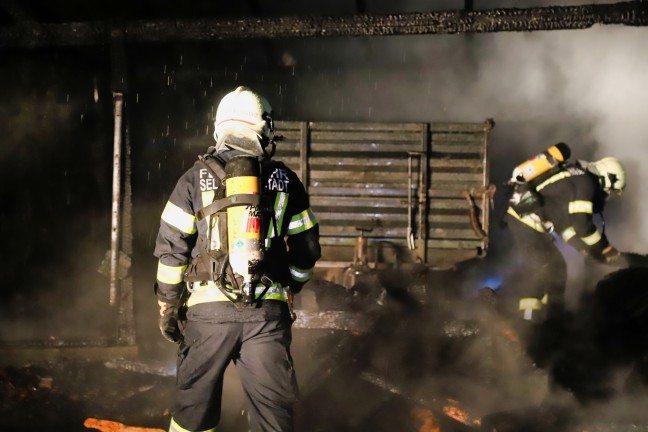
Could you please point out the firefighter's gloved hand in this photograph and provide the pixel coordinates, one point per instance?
(296, 287)
(169, 322)
(610, 255)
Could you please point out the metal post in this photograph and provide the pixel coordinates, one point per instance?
(411, 243)
(423, 194)
(118, 100)
(488, 189)
(303, 153)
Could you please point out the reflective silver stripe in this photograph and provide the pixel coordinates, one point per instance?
(532, 220)
(175, 427)
(301, 222)
(592, 239)
(530, 303)
(170, 274)
(214, 242)
(281, 202)
(553, 179)
(568, 233)
(581, 207)
(208, 292)
(175, 216)
(300, 275)
(207, 197)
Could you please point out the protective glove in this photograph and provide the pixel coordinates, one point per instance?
(525, 199)
(610, 255)
(169, 322)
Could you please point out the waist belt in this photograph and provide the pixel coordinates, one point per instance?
(203, 292)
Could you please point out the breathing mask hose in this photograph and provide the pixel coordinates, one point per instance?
(244, 223)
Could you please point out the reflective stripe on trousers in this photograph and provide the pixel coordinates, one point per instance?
(530, 304)
(175, 427)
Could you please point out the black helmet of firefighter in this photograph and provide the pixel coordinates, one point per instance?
(610, 173)
(243, 122)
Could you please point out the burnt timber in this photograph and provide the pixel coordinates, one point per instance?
(30, 34)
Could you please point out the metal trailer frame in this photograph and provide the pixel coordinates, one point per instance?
(418, 192)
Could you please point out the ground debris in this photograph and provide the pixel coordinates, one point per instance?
(111, 426)
(61, 396)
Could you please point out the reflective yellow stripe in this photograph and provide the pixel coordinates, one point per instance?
(175, 427)
(592, 239)
(545, 299)
(170, 274)
(206, 294)
(281, 202)
(568, 233)
(530, 303)
(581, 207)
(553, 179)
(531, 220)
(175, 216)
(301, 222)
(300, 275)
(210, 293)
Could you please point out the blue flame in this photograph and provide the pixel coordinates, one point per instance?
(493, 281)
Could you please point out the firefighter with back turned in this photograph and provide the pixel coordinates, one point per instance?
(237, 240)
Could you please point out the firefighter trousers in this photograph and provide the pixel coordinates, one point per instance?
(261, 353)
(542, 268)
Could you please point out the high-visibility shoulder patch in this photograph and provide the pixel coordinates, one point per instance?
(553, 179)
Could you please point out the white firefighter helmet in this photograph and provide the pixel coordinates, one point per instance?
(243, 122)
(610, 173)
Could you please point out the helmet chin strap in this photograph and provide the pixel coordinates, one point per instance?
(270, 142)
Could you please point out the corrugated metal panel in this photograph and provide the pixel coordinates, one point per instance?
(368, 176)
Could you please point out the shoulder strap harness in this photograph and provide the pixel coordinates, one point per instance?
(216, 261)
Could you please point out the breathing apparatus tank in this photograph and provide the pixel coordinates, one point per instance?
(542, 163)
(244, 239)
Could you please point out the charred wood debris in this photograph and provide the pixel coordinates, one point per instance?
(62, 395)
(397, 362)
(31, 34)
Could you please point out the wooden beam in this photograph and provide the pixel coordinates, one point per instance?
(631, 13)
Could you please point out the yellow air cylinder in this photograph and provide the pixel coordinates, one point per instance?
(542, 163)
(244, 221)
